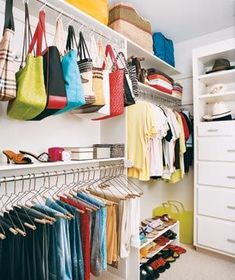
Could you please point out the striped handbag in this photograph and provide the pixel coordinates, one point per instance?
(7, 69)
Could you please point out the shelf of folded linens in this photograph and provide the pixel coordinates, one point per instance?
(158, 250)
(157, 93)
(216, 97)
(150, 60)
(6, 167)
(226, 76)
(158, 235)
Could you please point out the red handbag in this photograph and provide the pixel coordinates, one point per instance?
(116, 84)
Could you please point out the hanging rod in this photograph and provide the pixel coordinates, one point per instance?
(57, 173)
(160, 98)
(80, 22)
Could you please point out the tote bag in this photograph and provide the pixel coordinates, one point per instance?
(92, 111)
(130, 80)
(53, 73)
(31, 96)
(85, 67)
(116, 86)
(7, 73)
(72, 77)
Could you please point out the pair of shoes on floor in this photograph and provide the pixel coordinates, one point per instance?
(20, 158)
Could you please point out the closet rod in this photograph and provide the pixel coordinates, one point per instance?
(57, 173)
(91, 28)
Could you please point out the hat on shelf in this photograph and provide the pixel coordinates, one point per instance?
(220, 65)
(220, 111)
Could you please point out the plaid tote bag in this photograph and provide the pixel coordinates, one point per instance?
(7, 69)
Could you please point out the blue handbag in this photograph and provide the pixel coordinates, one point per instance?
(163, 48)
(72, 77)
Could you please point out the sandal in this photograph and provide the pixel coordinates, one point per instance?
(43, 157)
(16, 158)
(177, 249)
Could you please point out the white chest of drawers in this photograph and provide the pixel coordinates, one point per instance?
(215, 187)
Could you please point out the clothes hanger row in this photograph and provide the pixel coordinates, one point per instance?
(45, 4)
(21, 210)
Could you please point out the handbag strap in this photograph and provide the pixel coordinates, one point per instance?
(121, 57)
(71, 39)
(109, 51)
(9, 19)
(39, 33)
(59, 37)
(27, 35)
(82, 48)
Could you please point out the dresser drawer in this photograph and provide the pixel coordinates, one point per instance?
(216, 202)
(216, 148)
(216, 234)
(225, 128)
(216, 174)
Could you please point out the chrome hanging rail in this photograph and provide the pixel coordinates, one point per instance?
(58, 173)
(80, 22)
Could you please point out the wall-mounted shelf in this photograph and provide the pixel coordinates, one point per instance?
(223, 96)
(227, 76)
(5, 166)
(157, 93)
(150, 60)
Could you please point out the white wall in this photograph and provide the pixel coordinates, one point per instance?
(156, 192)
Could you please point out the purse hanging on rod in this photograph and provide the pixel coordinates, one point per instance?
(85, 67)
(7, 71)
(31, 96)
(73, 83)
(52, 69)
(116, 86)
(130, 80)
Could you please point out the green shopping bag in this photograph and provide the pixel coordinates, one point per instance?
(31, 95)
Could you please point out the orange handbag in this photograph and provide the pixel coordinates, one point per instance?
(97, 9)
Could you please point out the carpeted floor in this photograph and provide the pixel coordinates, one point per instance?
(195, 265)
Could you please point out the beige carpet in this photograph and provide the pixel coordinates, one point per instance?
(193, 265)
(196, 265)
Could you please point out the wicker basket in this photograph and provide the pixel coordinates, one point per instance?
(124, 19)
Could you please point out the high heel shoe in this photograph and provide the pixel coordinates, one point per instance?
(16, 158)
(43, 157)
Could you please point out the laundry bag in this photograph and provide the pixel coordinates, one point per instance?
(163, 48)
(95, 8)
(124, 19)
(176, 210)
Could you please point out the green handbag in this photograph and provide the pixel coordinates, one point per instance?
(31, 98)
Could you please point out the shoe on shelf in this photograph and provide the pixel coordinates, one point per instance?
(177, 249)
(19, 158)
(43, 157)
(170, 234)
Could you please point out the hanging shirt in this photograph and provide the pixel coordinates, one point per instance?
(141, 128)
(179, 173)
(156, 149)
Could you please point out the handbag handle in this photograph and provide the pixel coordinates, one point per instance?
(27, 35)
(82, 48)
(9, 19)
(71, 39)
(39, 33)
(59, 37)
(109, 51)
(121, 57)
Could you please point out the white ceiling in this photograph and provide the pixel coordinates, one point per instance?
(186, 19)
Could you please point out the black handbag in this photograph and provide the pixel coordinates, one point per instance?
(130, 80)
(53, 73)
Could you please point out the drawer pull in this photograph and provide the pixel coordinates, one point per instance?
(231, 177)
(231, 207)
(231, 151)
(231, 240)
(213, 130)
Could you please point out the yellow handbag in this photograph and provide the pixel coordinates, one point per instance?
(97, 9)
